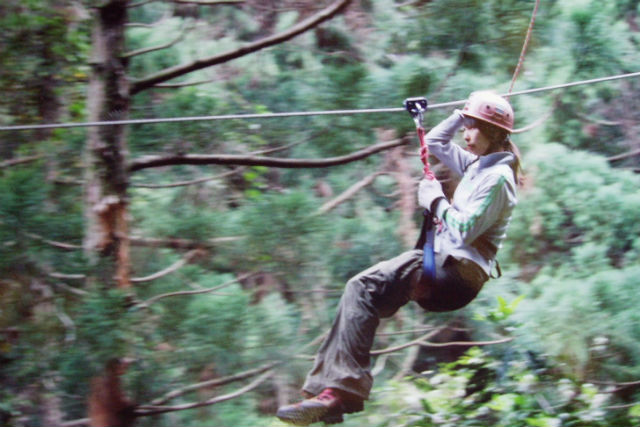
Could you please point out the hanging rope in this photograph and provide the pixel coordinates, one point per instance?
(524, 45)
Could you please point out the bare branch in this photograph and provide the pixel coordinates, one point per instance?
(421, 341)
(182, 243)
(189, 256)
(465, 343)
(19, 161)
(65, 276)
(348, 193)
(219, 176)
(146, 410)
(597, 121)
(536, 123)
(70, 289)
(280, 148)
(623, 406)
(294, 31)
(140, 3)
(159, 47)
(183, 84)
(59, 245)
(611, 383)
(194, 292)
(623, 156)
(409, 331)
(76, 423)
(417, 341)
(69, 326)
(164, 18)
(212, 383)
(209, 2)
(230, 159)
(192, 182)
(154, 410)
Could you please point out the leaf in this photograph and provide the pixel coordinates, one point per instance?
(426, 406)
(634, 411)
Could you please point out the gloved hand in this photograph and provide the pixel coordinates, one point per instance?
(468, 122)
(429, 191)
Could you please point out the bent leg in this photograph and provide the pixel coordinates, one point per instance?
(343, 359)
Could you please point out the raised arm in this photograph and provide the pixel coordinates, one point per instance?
(439, 139)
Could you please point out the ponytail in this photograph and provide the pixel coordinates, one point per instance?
(501, 141)
(516, 166)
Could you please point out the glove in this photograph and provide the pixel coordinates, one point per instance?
(429, 193)
(468, 122)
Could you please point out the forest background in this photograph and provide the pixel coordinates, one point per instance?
(209, 256)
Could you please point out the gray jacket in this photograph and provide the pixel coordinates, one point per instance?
(475, 223)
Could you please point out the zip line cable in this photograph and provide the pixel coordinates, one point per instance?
(301, 113)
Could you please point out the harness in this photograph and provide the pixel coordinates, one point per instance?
(416, 108)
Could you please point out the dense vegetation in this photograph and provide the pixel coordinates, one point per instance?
(261, 253)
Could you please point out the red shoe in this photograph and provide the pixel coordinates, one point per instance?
(327, 407)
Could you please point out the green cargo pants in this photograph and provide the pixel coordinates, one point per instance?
(342, 361)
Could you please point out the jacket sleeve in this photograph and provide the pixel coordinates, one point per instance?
(487, 203)
(439, 139)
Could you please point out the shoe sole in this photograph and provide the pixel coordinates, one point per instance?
(300, 417)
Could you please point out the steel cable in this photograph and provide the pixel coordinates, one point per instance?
(300, 113)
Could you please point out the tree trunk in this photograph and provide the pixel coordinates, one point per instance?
(106, 239)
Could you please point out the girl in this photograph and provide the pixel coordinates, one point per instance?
(470, 231)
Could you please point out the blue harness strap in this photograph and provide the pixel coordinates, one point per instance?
(425, 242)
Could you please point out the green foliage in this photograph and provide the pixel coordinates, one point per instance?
(214, 329)
(103, 326)
(21, 198)
(174, 214)
(577, 200)
(479, 390)
(43, 49)
(272, 328)
(280, 231)
(593, 50)
(589, 323)
(361, 242)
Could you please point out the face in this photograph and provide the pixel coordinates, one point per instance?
(477, 143)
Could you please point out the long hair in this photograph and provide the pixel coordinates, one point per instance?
(500, 140)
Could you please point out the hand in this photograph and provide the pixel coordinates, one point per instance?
(467, 122)
(429, 191)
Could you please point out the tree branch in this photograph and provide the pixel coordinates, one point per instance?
(181, 243)
(194, 292)
(140, 3)
(421, 341)
(536, 123)
(192, 182)
(465, 343)
(55, 244)
(296, 30)
(208, 2)
(623, 156)
(348, 193)
(417, 341)
(19, 161)
(212, 383)
(159, 47)
(186, 259)
(154, 410)
(183, 84)
(231, 159)
(623, 406)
